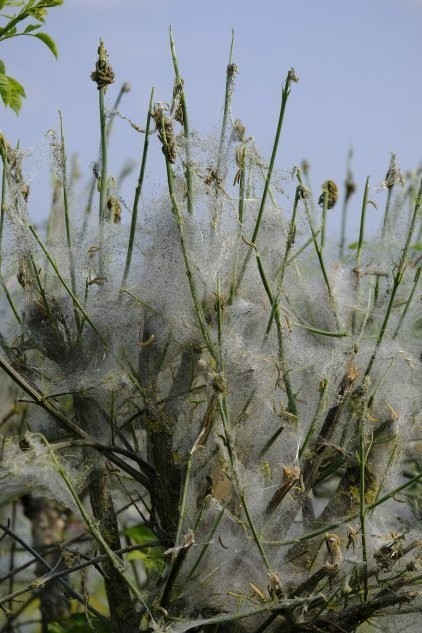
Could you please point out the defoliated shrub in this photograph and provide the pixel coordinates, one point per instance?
(256, 393)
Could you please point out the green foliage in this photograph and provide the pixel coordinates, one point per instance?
(76, 623)
(140, 534)
(11, 91)
(152, 557)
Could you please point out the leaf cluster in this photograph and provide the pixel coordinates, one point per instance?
(11, 91)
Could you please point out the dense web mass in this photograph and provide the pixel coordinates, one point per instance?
(258, 393)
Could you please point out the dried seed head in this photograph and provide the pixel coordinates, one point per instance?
(240, 155)
(24, 275)
(393, 175)
(239, 129)
(218, 382)
(329, 188)
(291, 476)
(165, 131)
(103, 75)
(349, 185)
(351, 537)
(240, 162)
(352, 372)
(335, 555)
(305, 166)
(392, 551)
(115, 209)
(176, 106)
(275, 589)
(232, 70)
(292, 77)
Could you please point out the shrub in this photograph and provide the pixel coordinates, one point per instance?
(212, 385)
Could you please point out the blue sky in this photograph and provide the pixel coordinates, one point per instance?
(359, 64)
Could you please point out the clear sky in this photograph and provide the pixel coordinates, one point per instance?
(359, 64)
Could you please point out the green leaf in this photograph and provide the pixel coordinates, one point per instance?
(38, 14)
(417, 246)
(31, 27)
(48, 41)
(17, 92)
(140, 534)
(10, 33)
(12, 92)
(152, 559)
(48, 4)
(2, 68)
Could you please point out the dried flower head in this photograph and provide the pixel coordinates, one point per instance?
(103, 75)
(239, 129)
(335, 555)
(329, 189)
(393, 175)
(165, 131)
(177, 106)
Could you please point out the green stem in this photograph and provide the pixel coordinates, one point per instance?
(68, 424)
(302, 248)
(241, 207)
(291, 77)
(103, 181)
(22, 15)
(183, 502)
(173, 573)
(362, 222)
(317, 416)
(227, 100)
(67, 588)
(360, 246)
(46, 303)
(349, 517)
(3, 194)
(115, 561)
(276, 310)
(67, 288)
(242, 184)
(401, 266)
(315, 330)
(10, 300)
(324, 218)
(255, 533)
(408, 302)
(138, 193)
(290, 237)
(186, 128)
(222, 405)
(319, 255)
(345, 202)
(94, 181)
(387, 210)
(284, 97)
(386, 470)
(176, 212)
(207, 543)
(219, 310)
(67, 221)
(362, 505)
